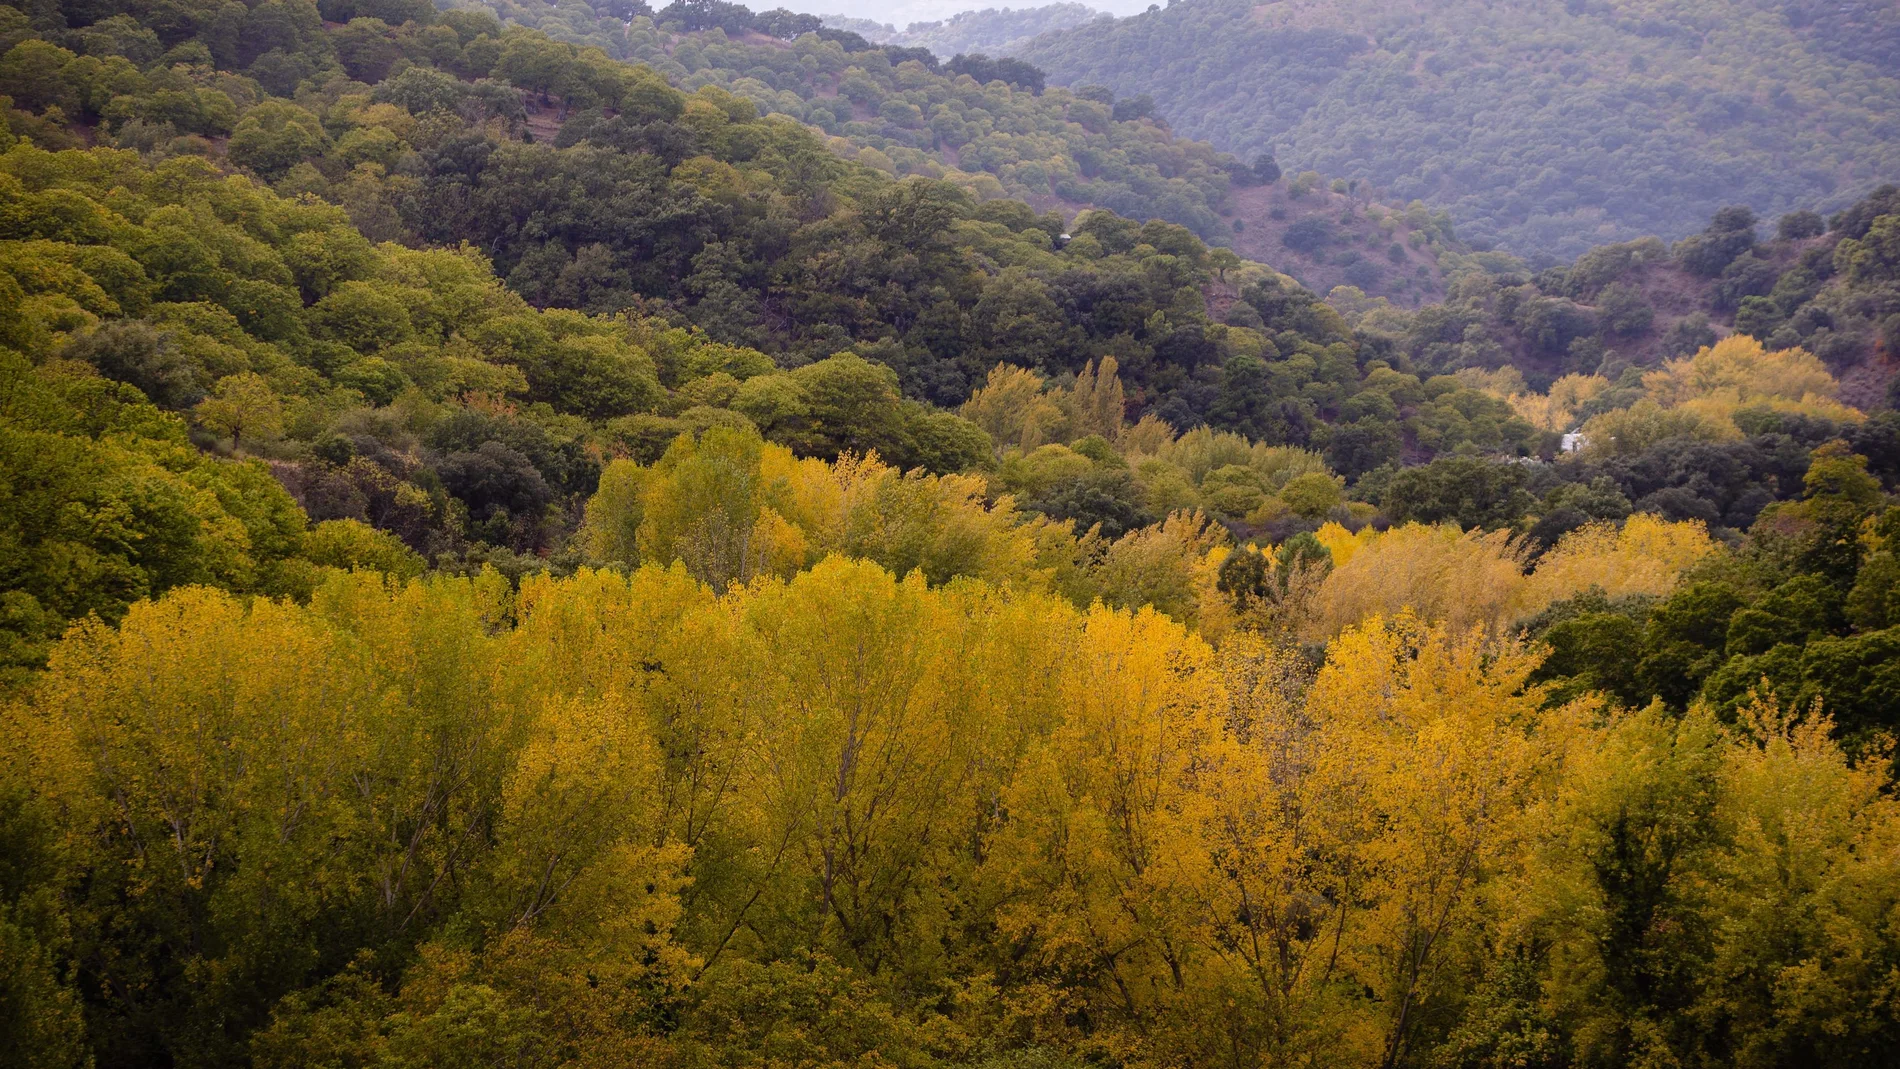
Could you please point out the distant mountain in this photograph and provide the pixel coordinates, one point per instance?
(988, 30)
(870, 29)
(1545, 126)
(899, 109)
(900, 13)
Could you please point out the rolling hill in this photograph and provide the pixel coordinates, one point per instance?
(907, 109)
(1545, 127)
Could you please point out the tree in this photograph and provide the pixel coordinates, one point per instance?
(276, 135)
(1623, 309)
(365, 316)
(1462, 581)
(853, 406)
(1107, 500)
(1007, 69)
(1799, 226)
(1012, 407)
(242, 404)
(1422, 778)
(1313, 494)
(1728, 236)
(140, 356)
(495, 481)
(1096, 401)
(1469, 491)
(1308, 234)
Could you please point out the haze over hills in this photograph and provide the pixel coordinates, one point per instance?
(900, 14)
(1545, 126)
(552, 536)
(989, 30)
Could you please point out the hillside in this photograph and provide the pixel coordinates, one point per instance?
(1326, 237)
(440, 276)
(512, 558)
(901, 111)
(1827, 288)
(1545, 127)
(990, 30)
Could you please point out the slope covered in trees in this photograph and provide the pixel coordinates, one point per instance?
(1827, 286)
(687, 264)
(1545, 127)
(507, 562)
(903, 112)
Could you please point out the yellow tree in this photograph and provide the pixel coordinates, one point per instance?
(1246, 868)
(1095, 401)
(1012, 407)
(1080, 870)
(1427, 753)
(660, 641)
(1646, 555)
(855, 772)
(1459, 579)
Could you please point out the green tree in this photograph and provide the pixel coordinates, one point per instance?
(275, 136)
(239, 405)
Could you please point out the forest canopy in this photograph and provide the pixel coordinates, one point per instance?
(511, 556)
(1545, 127)
(905, 110)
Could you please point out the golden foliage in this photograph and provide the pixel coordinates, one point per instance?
(1459, 579)
(1477, 579)
(1646, 555)
(1694, 396)
(783, 812)
(731, 507)
(1340, 543)
(1012, 407)
(1630, 431)
(1556, 411)
(1429, 751)
(1739, 372)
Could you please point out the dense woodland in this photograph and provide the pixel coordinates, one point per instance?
(905, 111)
(510, 556)
(1545, 126)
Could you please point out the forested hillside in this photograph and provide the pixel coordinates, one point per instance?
(1545, 127)
(508, 560)
(901, 111)
(1829, 287)
(898, 109)
(989, 30)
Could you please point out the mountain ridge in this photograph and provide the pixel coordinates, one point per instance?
(1547, 128)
